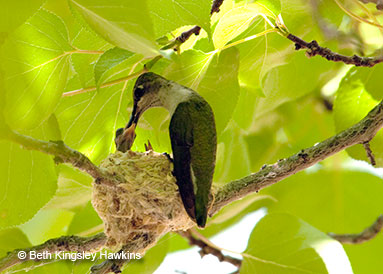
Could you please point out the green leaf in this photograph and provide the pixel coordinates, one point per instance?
(83, 64)
(125, 24)
(28, 177)
(236, 21)
(12, 238)
(370, 77)
(55, 222)
(74, 189)
(88, 121)
(168, 15)
(214, 76)
(151, 260)
(330, 12)
(352, 104)
(352, 199)
(282, 243)
(112, 63)
(237, 207)
(366, 258)
(35, 61)
(231, 147)
(246, 102)
(86, 222)
(344, 201)
(14, 13)
(279, 85)
(272, 6)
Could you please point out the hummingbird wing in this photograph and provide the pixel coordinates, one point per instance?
(193, 138)
(181, 136)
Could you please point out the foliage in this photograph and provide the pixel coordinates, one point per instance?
(268, 104)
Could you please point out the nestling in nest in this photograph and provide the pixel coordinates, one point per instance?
(144, 208)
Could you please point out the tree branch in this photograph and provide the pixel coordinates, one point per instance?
(207, 249)
(360, 133)
(215, 6)
(364, 236)
(186, 34)
(369, 153)
(65, 243)
(65, 154)
(313, 48)
(379, 3)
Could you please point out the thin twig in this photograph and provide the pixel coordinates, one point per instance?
(368, 234)
(207, 249)
(360, 133)
(108, 84)
(313, 48)
(186, 34)
(356, 17)
(370, 155)
(65, 243)
(215, 6)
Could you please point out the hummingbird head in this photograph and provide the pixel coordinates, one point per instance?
(146, 95)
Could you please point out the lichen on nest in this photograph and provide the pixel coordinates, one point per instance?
(144, 208)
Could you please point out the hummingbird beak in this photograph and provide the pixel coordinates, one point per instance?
(125, 137)
(134, 117)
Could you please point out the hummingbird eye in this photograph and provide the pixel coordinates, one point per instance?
(138, 92)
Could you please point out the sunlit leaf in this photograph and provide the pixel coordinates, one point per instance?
(272, 6)
(168, 15)
(113, 63)
(352, 104)
(86, 222)
(212, 76)
(279, 85)
(88, 121)
(151, 260)
(125, 24)
(11, 239)
(282, 243)
(28, 177)
(236, 21)
(352, 203)
(236, 208)
(14, 13)
(35, 61)
(231, 147)
(83, 64)
(74, 189)
(351, 199)
(56, 223)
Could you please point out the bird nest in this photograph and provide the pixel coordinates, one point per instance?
(148, 205)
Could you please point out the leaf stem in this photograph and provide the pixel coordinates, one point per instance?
(364, 236)
(356, 17)
(81, 51)
(249, 38)
(108, 84)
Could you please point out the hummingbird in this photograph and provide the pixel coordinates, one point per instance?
(192, 134)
